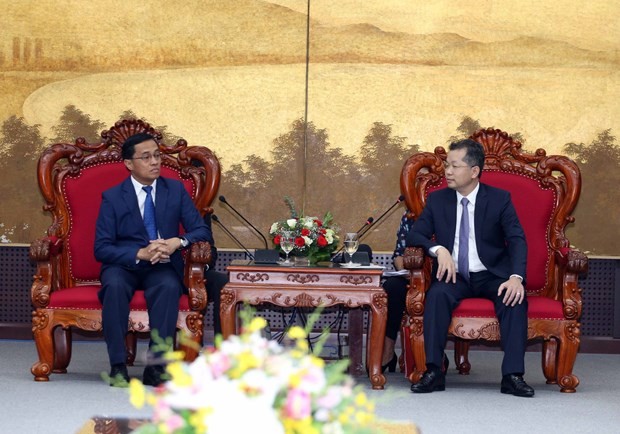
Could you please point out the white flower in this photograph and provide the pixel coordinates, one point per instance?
(329, 235)
(291, 223)
(309, 222)
(307, 240)
(274, 228)
(233, 411)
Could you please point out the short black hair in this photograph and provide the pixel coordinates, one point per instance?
(474, 155)
(129, 145)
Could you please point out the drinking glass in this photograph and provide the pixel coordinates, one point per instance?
(351, 243)
(287, 243)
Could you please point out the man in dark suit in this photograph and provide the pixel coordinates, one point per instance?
(137, 240)
(473, 232)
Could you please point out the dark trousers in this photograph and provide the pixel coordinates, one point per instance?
(162, 290)
(215, 282)
(396, 289)
(441, 300)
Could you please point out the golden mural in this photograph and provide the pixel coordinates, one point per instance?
(383, 79)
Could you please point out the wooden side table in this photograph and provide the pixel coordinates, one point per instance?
(311, 287)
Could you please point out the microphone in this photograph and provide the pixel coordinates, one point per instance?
(223, 200)
(368, 222)
(217, 220)
(366, 228)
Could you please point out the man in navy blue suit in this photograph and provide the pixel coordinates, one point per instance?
(473, 232)
(138, 242)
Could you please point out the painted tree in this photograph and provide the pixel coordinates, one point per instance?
(597, 224)
(21, 216)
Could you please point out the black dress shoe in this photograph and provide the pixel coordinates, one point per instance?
(391, 365)
(431, 381)
(154, 375)
(119, 377)
(516, 385)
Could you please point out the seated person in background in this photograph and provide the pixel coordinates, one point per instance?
(396, 290)
(141, 249)
(215, 281)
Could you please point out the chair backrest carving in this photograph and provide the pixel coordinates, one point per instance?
(72, 178)
(544, 190)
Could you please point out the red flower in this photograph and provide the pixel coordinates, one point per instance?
(321, 241)
(300, 242)
(318, 222)
(322, 231)
(305, 232)
(276, 240)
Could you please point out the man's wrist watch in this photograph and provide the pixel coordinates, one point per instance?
(184, 243)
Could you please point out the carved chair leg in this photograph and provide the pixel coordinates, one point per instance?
(549, 360)
(62, 349)
(417, 347)
(131, 344)
(461, 356)
(567, 353)
(43, 337)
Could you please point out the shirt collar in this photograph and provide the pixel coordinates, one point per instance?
(471, 197)
(138, 187)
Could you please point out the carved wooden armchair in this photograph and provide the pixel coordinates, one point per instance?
(544, 190)
(72, 178)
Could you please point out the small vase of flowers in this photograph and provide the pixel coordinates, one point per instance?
(314, 238)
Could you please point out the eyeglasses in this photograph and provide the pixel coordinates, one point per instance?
(448, 166)
(147, 157)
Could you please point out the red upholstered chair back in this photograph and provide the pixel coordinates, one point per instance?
(544, 191)
(72, 178)
(82, 196)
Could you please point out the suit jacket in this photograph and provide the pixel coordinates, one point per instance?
(500, 239)
(120, 230)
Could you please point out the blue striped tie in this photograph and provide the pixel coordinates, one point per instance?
(149, 214)
(463, 259)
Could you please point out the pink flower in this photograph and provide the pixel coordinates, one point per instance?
(298, 404)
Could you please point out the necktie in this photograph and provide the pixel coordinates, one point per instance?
(464, 242)
(149, 214)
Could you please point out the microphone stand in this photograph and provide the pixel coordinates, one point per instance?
(365, 229)
(223, 200)
(217, 220)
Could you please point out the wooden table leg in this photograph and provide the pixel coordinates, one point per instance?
(356, 325)
(228, 311)
(376, 339)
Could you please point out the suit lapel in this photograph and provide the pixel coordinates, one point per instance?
(161, 203)
(129, 196)
(482, 202)
(450, 210)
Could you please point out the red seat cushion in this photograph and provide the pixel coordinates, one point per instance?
(538, 308)
(85, 297)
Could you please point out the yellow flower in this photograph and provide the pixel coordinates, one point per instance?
(197, 419)
(180, 377)
(257, 324)
(137, 393)
(296, 332)
(247, 361)
(174, 355)
(360, 399)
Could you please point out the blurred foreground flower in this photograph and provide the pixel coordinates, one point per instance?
(250, 384)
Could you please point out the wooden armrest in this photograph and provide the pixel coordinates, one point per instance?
(44, 251)
(198, 256)
(571, 264)
(413, 258)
